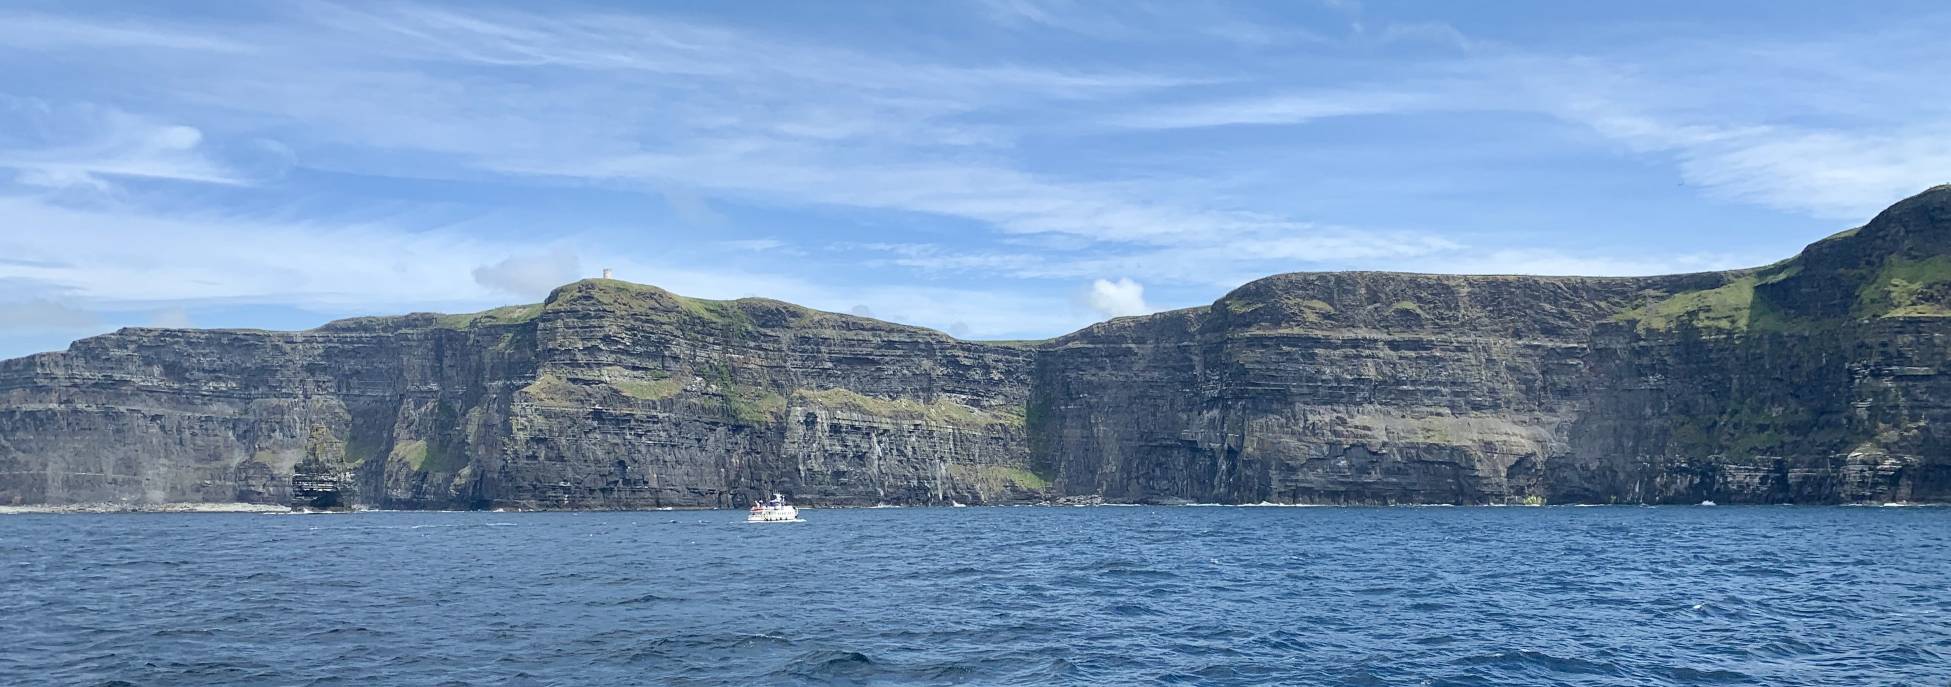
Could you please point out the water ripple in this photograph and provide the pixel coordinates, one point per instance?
(982, 596)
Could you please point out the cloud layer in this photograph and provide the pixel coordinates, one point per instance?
(969, 167)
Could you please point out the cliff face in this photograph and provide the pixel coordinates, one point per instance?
(609, 395)
(1336, 388)
(1818, 379)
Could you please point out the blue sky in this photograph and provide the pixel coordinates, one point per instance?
(1001, 169)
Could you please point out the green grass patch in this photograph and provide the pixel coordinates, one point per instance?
(939, 412)
(413, 453)
(511, 314)
(605, 289)
(1725, 308)
(1019, 476)
(755, 406)
(1846, 233)
(612, 294)
(653, 390)
(750, 405)
(723, 312)
(726, 314)
(423, 456)
(1778, 271)
(1908, 288)
(996, 479)
(548, 387)
(1732, 307)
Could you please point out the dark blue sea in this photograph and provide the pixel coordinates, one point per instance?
(981, 596)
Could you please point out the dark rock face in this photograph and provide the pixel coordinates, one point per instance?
(1332, 388)
(610, 395)
(1819, 379)
(1816, 380)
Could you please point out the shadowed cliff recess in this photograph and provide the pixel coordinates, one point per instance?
(1818, 379)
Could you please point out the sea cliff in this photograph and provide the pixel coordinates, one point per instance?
(1818, 379)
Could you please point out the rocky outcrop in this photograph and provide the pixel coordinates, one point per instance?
(1819, 379)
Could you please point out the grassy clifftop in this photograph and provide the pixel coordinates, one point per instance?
(1898, 265)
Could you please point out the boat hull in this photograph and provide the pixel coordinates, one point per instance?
(774, 514)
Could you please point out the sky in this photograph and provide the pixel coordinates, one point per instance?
(993, 169)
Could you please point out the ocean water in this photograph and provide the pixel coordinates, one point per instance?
(978, 596)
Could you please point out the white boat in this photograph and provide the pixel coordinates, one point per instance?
(775, 510)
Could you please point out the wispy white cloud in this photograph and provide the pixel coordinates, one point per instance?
(1292, 108)
(1207, 25)
(617, 42)
(1767, 124)
(1844, 175)
(1810, 153)
(1099, 21)
(739, 113)
(26, 30)
(1008, 199)
(117, 258)
(74, 145)
(838, 139)
(1545, 262)
(1433, 32)
(754, 245)
(1222, 261)
(1051, 173)
(112, 255)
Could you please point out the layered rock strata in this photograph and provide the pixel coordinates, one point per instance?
(1819, 379)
